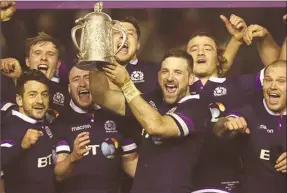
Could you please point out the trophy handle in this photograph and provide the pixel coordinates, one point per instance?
(73, 33)
(124, 36)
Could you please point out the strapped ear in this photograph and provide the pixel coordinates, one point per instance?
(19, 100)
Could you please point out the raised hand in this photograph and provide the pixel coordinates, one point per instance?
(7, 10)
(117, 74)
(80, 146)
(11, 68)
(235, 26)
(254, 31)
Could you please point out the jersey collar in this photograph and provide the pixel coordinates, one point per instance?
(25, 117)
(76, 108)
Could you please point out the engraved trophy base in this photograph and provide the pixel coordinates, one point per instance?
(91, 65)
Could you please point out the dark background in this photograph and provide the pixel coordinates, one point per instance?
(161, 30)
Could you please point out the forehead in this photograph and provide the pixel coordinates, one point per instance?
(201, 40)
(44, 46)
(174, 63)
(276, 71)
(78, 72)
(36, 86)
(128, 26)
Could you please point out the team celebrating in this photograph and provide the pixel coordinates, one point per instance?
(185, 129)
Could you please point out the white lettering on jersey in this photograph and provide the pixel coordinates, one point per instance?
(263, 127)
(44, 161)
(93, 149)
(88, 126)
(265, 154)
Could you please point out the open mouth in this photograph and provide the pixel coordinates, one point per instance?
(274, 98)
(171, 88)
(125, 48)
(84, 94)
(201, 61)
(43, 67)
(39, 108)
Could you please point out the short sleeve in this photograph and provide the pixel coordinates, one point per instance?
(128, 146)
(191, 115)
(60, 140)
(11, 147)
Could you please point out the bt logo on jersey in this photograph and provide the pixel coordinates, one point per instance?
(216, 109)
(109, 147)
(93, 150)
(44, 161)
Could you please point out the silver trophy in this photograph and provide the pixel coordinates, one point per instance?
(96, 43)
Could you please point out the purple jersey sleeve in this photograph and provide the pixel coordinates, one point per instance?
(128, 146)
(60, 140)
(250, 83)
(11, 147)
(191, 115)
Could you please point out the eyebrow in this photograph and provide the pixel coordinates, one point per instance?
(196, 45)
(131, 30)
(75, 77)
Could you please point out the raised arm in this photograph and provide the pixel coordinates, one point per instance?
(236, 27)
(66, 160)
(267, 48)
(105, 93)
(169, 125)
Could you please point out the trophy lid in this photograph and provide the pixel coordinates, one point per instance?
(98, 7)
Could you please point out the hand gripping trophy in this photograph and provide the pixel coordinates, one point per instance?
(96, 46)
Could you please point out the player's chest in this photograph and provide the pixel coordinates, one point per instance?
(269, 131)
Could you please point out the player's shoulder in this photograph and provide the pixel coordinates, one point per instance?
(190, 98)
(7, 106)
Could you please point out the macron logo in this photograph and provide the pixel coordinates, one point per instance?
(82, 127)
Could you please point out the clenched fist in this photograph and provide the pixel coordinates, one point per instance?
(7, 10)
(11, 68)
(30, 138)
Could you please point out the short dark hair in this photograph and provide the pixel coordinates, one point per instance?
(276, 63)
(132, 20)
(220, 49)
(30, 75)
(43, 37)
(180, 53)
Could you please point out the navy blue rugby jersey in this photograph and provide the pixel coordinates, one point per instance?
(220, 166)
(166, 165)
(27, 171)
(100, 169)
(59, 96)
(264, 145)
(144, 75)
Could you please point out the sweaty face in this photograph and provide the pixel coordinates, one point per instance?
(43, 56)
(204, 53)
(274, 88)
(128, 51)
(79, 87)
(35, 100)
(173, 79)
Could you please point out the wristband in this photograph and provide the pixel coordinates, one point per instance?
(130, 91)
